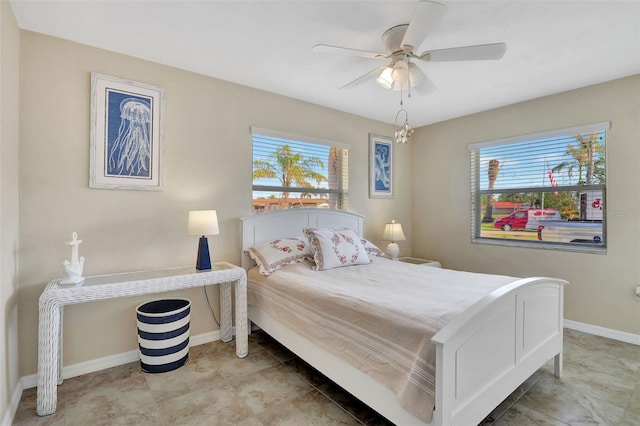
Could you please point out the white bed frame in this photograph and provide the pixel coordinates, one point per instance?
(482, 355)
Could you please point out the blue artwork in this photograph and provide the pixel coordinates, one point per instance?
(382, 161)
(129, 124)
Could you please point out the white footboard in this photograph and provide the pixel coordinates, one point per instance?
(487, 352)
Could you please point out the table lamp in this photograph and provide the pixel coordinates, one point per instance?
(203, 222)
(393, 232)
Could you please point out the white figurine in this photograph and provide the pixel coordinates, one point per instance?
(74, 268)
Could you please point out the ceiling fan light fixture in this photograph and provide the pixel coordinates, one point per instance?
(416, 76)
(400, 72)
(385, 79)
(400, 43)
(398, 86)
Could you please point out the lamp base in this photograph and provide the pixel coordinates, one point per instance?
(204, 261)
(393, 250)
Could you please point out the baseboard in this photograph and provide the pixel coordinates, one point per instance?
(603, 332)
(9, 415)
(93, 365)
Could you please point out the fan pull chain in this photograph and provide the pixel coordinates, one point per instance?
(409, 77)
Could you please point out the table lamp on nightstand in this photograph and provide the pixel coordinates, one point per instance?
(203, 222)
(393, 232)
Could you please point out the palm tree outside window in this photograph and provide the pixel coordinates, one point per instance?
(545, 190)
(292, 171)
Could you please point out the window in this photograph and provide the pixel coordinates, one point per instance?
(544, 190)
(292, 171)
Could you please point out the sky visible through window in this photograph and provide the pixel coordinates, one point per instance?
(527, 164)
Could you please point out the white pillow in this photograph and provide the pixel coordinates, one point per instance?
(333, 248)
(273, 255)
(372, 249)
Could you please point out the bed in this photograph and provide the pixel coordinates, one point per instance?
(498, 339)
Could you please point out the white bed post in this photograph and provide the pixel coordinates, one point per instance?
(557, 360)
(443, 398)
(557, 366)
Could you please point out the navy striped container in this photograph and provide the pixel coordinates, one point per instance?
(163, 334)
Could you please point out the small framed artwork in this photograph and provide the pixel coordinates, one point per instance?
(126, 134)
(380, 167)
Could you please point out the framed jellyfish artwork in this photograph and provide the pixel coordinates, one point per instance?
(380, 167)
(126, 134)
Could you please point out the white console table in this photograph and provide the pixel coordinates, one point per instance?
(102, 287)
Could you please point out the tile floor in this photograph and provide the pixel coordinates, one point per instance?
(600, 386)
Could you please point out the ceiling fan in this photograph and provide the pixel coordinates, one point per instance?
(400, 41)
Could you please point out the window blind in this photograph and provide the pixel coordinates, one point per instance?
(297, 170)
(557, 170)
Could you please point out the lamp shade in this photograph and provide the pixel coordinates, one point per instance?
(203, 222)
(416, 76)
(393, 232)
(400, 73)
(385, 80)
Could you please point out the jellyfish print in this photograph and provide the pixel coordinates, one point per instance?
(382, 167)
(130, 153)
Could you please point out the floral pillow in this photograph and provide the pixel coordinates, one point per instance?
(372, 249)
(333, 248)
(273, 255)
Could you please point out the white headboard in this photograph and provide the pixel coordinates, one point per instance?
(263, 227)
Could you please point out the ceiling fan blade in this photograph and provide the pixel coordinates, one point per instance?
(374, 72)
(479, 52)
(336, 50)
(425, 19)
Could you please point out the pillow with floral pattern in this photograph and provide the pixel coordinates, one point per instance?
(333, 248)
(273, 255)
(372, 249)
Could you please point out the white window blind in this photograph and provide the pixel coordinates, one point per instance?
(555, 181)
(298, 171)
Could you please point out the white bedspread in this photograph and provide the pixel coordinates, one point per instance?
(378, 317)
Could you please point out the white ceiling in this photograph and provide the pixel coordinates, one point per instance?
(552, 46)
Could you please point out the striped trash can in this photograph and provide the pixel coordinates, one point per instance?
(163, 334)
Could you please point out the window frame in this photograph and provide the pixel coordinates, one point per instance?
(342, 192)
(477, 193)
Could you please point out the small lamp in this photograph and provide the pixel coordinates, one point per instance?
(393, 232)
(203, 222)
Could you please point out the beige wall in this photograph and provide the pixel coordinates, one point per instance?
(9, 76)
(207, 166)
(601, 289)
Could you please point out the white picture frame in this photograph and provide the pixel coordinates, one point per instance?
(127, 120)
(381, 157)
